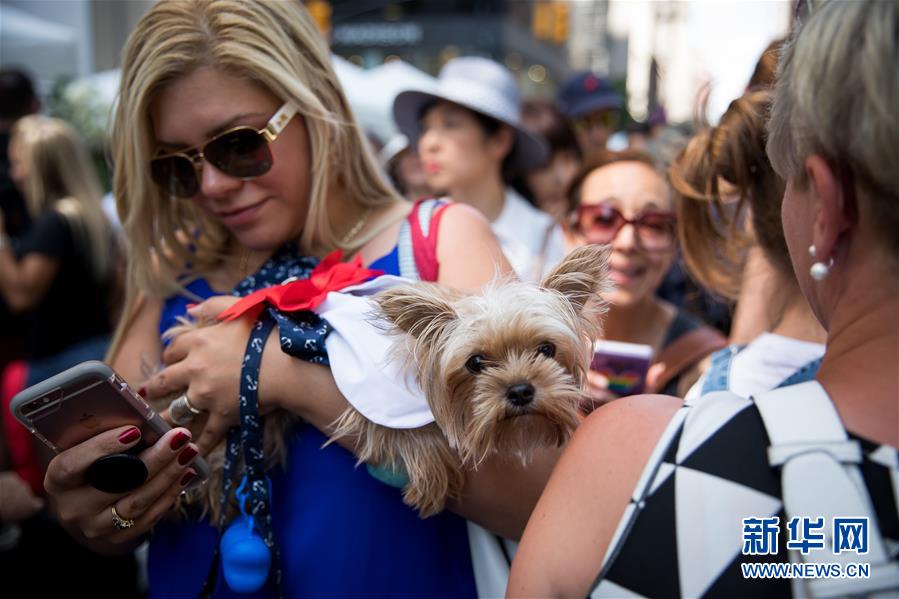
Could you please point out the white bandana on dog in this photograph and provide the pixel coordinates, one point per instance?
(359, 353)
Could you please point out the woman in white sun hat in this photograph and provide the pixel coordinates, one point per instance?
(471, 142)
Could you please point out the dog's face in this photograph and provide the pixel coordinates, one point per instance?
(504, 370)
(511, 365)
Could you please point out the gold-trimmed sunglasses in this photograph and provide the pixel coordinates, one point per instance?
(241, 152)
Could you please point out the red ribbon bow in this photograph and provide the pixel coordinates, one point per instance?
(330, 275)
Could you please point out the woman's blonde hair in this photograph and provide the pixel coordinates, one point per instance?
(836, 96)
(60, 176)
(273, 44)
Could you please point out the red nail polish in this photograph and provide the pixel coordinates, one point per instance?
(186, 456)
(188, 476)
(191, 306)
(129, 436)
(179, 440)
(142, 392)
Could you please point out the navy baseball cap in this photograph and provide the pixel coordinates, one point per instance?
(585, 93)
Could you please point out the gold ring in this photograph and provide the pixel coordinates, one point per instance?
(181, 410)
(119, 522)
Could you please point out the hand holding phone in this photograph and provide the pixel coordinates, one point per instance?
(624, 365)
(81, 402)
(83, 509)
(88, 414)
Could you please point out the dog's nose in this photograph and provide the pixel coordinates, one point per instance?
(521, 394)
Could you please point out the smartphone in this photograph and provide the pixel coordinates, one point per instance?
(90, 398)
(624, 364)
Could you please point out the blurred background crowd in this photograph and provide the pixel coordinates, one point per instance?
(566, 82)
(592, 75)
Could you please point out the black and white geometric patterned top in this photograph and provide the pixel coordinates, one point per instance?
(681, 535)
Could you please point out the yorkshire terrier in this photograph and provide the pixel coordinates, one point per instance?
(503, 372)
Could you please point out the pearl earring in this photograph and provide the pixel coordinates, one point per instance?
(819, 270)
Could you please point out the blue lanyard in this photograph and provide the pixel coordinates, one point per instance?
(302, 335)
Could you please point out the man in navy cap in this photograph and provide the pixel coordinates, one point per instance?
(594, 108)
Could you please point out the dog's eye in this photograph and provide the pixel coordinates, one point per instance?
(546, 349)
(475, 364)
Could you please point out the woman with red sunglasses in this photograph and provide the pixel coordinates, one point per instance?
(234, 145)
(622, 200)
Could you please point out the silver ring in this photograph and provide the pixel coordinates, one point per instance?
(119, 522)
(181, 411)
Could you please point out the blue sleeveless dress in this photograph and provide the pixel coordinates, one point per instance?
(341, 532)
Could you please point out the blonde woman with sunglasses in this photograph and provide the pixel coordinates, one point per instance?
(233, 143)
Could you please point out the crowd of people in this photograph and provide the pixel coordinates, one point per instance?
(238, 165)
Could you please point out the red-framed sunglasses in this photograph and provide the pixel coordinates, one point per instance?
(654, 230)
(241, 152)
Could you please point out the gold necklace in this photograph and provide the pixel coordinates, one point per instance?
(356, 228)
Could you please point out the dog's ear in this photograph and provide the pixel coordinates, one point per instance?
(582, 276)
(423, 308)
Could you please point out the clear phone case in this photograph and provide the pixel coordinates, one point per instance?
(76, 404)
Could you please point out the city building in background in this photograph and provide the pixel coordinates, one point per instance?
(661, 53)
(675, 49)
(66, 39)
(530, 37)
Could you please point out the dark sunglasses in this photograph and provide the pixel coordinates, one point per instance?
(600, 223)
(241, 152)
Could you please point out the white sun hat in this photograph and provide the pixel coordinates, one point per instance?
(481, 85)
